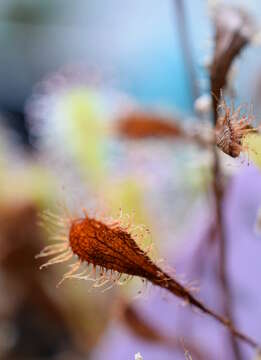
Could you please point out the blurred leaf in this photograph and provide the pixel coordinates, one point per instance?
(252, 143)
(140, 125)
(86, 132)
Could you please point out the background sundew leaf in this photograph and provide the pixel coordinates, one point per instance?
(252, 142)
(86, 132)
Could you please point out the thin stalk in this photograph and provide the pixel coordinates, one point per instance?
(222, 257)
(163, 280)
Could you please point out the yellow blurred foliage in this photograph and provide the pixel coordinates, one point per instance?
(252, 144)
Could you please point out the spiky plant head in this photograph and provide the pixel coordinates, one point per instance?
(106, 249)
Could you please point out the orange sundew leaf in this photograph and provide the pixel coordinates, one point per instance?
(138, 125)
(112, 249)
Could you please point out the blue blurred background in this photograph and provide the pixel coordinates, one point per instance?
(135, 45)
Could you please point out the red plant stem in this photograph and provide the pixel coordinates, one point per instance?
(221, 65)
(222, 60)
(218, 194)
(178, 290)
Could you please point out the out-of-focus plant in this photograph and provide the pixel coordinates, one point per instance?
(84, 131)
(114, 248)
(77, 116)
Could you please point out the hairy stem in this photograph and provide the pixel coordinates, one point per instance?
(163, 280)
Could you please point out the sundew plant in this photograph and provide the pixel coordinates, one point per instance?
(112, 155)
